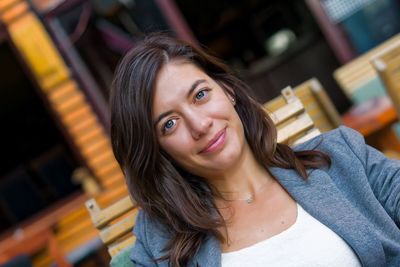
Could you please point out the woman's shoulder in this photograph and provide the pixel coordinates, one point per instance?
(345, 133)
(149, 230)
(341, 138)
(151, 238)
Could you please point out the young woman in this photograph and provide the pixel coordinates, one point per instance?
(215, 188)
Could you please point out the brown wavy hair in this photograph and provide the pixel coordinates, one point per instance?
(176, 198)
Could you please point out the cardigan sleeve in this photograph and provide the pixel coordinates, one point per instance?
(140, 254)
(383, 173)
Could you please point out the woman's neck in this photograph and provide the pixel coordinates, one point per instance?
(246, 178)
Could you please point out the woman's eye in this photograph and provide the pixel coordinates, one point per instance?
(201, 94)
(168, 125)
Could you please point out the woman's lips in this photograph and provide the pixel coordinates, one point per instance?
(216, 143)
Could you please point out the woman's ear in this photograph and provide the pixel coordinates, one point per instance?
(228, 91)
(233, 100)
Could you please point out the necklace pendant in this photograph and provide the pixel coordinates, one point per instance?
(250, 199)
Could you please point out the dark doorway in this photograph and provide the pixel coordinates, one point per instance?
(36, 163)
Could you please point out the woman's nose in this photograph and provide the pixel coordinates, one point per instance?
(199, 124)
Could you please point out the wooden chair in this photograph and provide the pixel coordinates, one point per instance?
(115, 222)
(359, 75)
(387, 65)
(294, 124)
(316, 102)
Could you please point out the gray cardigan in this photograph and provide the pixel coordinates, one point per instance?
(358, 197)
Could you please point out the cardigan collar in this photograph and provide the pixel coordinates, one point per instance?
(319, 196)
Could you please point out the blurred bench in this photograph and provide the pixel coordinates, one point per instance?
(387, 65)
(359, 79)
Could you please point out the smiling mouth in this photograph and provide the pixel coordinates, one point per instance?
(216, 143)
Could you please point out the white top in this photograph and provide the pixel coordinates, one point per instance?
(306, 243)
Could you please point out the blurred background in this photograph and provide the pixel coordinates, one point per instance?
(57, 59)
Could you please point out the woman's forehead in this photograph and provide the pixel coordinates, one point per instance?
(175, 79)
(180, 67)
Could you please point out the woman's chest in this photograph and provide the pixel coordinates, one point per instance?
(248, 224)
(306, 243)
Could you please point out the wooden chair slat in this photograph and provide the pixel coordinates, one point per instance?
(290, 131)
(286, 112)
(114, 249)
(326, 103)
(103, 217)
(311, 134)
(118, 229)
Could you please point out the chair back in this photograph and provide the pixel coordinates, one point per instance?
(387, 65)
(359, 73)
(316, 102)
(116, 221)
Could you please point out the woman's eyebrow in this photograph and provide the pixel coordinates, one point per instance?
(192, 88)
(162, 115)
(194, 85)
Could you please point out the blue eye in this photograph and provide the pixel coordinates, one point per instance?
(201, 94)
(168, 125)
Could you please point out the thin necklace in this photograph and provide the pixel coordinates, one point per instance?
(250, 198)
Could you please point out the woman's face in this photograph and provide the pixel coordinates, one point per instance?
(195, 120)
